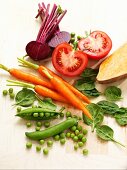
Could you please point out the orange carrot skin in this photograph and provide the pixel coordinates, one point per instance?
(45, 92)
(69, 95)
(29, 78)
(79, 94)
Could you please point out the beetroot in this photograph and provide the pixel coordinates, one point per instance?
(40, 49)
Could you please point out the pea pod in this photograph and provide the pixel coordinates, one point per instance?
(52, 131)
(28, 114)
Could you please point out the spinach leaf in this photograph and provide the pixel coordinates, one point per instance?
(112, 93)
(91, 93)
(122, 110)
(46, 103)
(106, 133)
(121, 119)
(84, 86)
(108, 107)
(97, 114)
(25, 97)
(89, 72)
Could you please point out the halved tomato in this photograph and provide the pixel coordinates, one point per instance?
(68, 61)
(97, 45)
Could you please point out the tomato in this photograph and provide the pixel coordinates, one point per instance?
(67, 61)
(97, 45)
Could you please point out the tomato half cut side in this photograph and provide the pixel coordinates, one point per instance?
(97, 45)
(67, 61)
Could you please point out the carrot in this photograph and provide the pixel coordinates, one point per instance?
(66, 92)
(40, 70)
(42, 91)
(27, 77)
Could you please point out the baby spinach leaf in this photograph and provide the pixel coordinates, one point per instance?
(84, 86)
(25, 97)
(46, 103)
(108, 107)
(122, 110)
(121, 119)
(97, 115)
(112, 93)
(106, 133)
(89, 72)
(91, 93)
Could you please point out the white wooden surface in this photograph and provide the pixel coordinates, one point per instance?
(17, 27)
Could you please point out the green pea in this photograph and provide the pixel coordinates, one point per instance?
(5, 92)
(68, 134)
(80, 136)
(49, 143)
(75, 146)
(35, 114)
(52, 114)
(39, 124)
(79, 128)
(10, 90)
(38, 148)
(37, 128)
(73, 128)
(61, 115)
(85, 151)
(84, 140)
(85, 131)
(80, 144)
(68, 114)
(47, 114)
(75, 138)
(19, 109)
(28, 145)
(62, 135)
(72, 34)
(79, 37)
(69, 117)
(77, 132)
(62, 141)
(56, 137)
(41, 114)
(12, 95)
(45, 151)
(46, 124)
(42, 141)
(28, 124)
(72, 135)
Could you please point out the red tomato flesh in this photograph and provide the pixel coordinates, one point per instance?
(67, 61)
(97, 45)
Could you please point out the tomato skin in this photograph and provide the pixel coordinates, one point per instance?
(103, 51)
(67, 61)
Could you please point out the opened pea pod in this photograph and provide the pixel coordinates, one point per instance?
(38, 114)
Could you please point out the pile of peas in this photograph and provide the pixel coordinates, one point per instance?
(10, 92)
(76, 133)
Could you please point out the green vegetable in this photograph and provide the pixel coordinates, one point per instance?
(19, 109)
(84, 85)
(79, 37)
(68, 134)
(84, 140)
(106, 133)
(10, 90)
(80, 144)
(108, 107)
(49, 143)
(72, 40)
(72, 135)
(80, 136)
(38, 148)
(62, 135)
(46, 124)
(5, 92)
(28, 145)
(37, 114)
(57, 137)
(62, 141)
(45, 151)
(37, 128)
(12, 95)
(75, 146)
(75, 138)
(46, 103)
(91, 93)
(112, 93)
(85, 131)
(85, 152)
(72, 34)
(52, 131)
(76, 132)
(39, 124)
(28, 124)
(89, 72)
(42, 141)
(73, 128)
(68, 114)
(25, 97)
(97, 114)
(121, 118)
(79, 128)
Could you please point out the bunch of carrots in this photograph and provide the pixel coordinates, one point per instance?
(54, 87)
